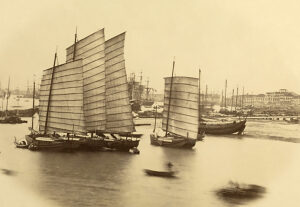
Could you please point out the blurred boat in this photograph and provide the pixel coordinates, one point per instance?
(160, 173)
(238, 191)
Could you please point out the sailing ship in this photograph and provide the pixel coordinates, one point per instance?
(180, 114)
(87, 97)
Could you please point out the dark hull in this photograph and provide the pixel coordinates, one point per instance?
(175, 142)
(51, 144)
(160, 173)
(12, 120)
(222, 129)
(100, 144)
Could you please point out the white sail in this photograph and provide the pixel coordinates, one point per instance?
(118, 110)
(183, 115)
(66, 101)
(91, 50)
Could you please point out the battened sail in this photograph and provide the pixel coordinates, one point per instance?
(183, 115)
(91, 50)
(118, 110)
(66, 101)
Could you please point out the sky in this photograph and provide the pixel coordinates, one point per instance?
(252, 43)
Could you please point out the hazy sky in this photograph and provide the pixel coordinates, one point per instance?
(252, 43)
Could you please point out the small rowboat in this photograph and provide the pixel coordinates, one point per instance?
(160, 173)
(21, 144)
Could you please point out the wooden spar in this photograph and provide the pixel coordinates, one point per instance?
(74, 52)
(170, 97)
(199, 98)
(50, 91)
(147, 90)
(155, 116)
(232, 99)
(237, 94)
(225, 93)
(242, 99)
(7, 96)
(33, 94)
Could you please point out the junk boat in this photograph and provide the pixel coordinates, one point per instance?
(180, 113)
(86, 98)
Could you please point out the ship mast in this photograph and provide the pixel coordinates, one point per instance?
(7, 96)
(232, 99)
(170, 96)
(199, 98)
(75, 41)
(50, 91)
(225, 93)
(237, 94)
(33, 96)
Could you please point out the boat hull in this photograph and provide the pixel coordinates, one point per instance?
(159, 173)
(113, 144)
(222, 129)
(174, 142)
(50, 143)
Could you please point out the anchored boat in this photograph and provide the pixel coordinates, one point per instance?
(87, 98)
(180, 114)
(220, 128)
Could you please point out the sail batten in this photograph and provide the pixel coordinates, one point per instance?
(180, 114)
(118, 110)
(64, 111)
(91, 50)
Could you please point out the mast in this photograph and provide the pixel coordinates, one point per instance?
(199, 98)
(33, 94)
(7, 96)
(232, 99)
(237, 94)
(242, 99)
(170, 97)
(50, 91)
(74, 51)
(225, 93)
(132, 87)
(140, 86)
(147, 90)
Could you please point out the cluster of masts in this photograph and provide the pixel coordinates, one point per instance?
(235, 101)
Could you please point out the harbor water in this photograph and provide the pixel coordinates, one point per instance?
(267, 155)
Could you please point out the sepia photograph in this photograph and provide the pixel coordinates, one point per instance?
(142, 103)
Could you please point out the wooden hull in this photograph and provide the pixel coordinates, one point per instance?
(160, 173)
(175, 142)
(222, 129)
(122, 144)
(52, 144)
(116, 144)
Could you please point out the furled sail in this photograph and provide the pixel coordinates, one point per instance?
(66, 100)
(91, 50)
(183, 115)
(118, 110)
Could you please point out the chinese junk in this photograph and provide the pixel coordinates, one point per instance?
(88, 95)
(180, 115)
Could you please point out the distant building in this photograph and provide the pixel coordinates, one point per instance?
(283, 97)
